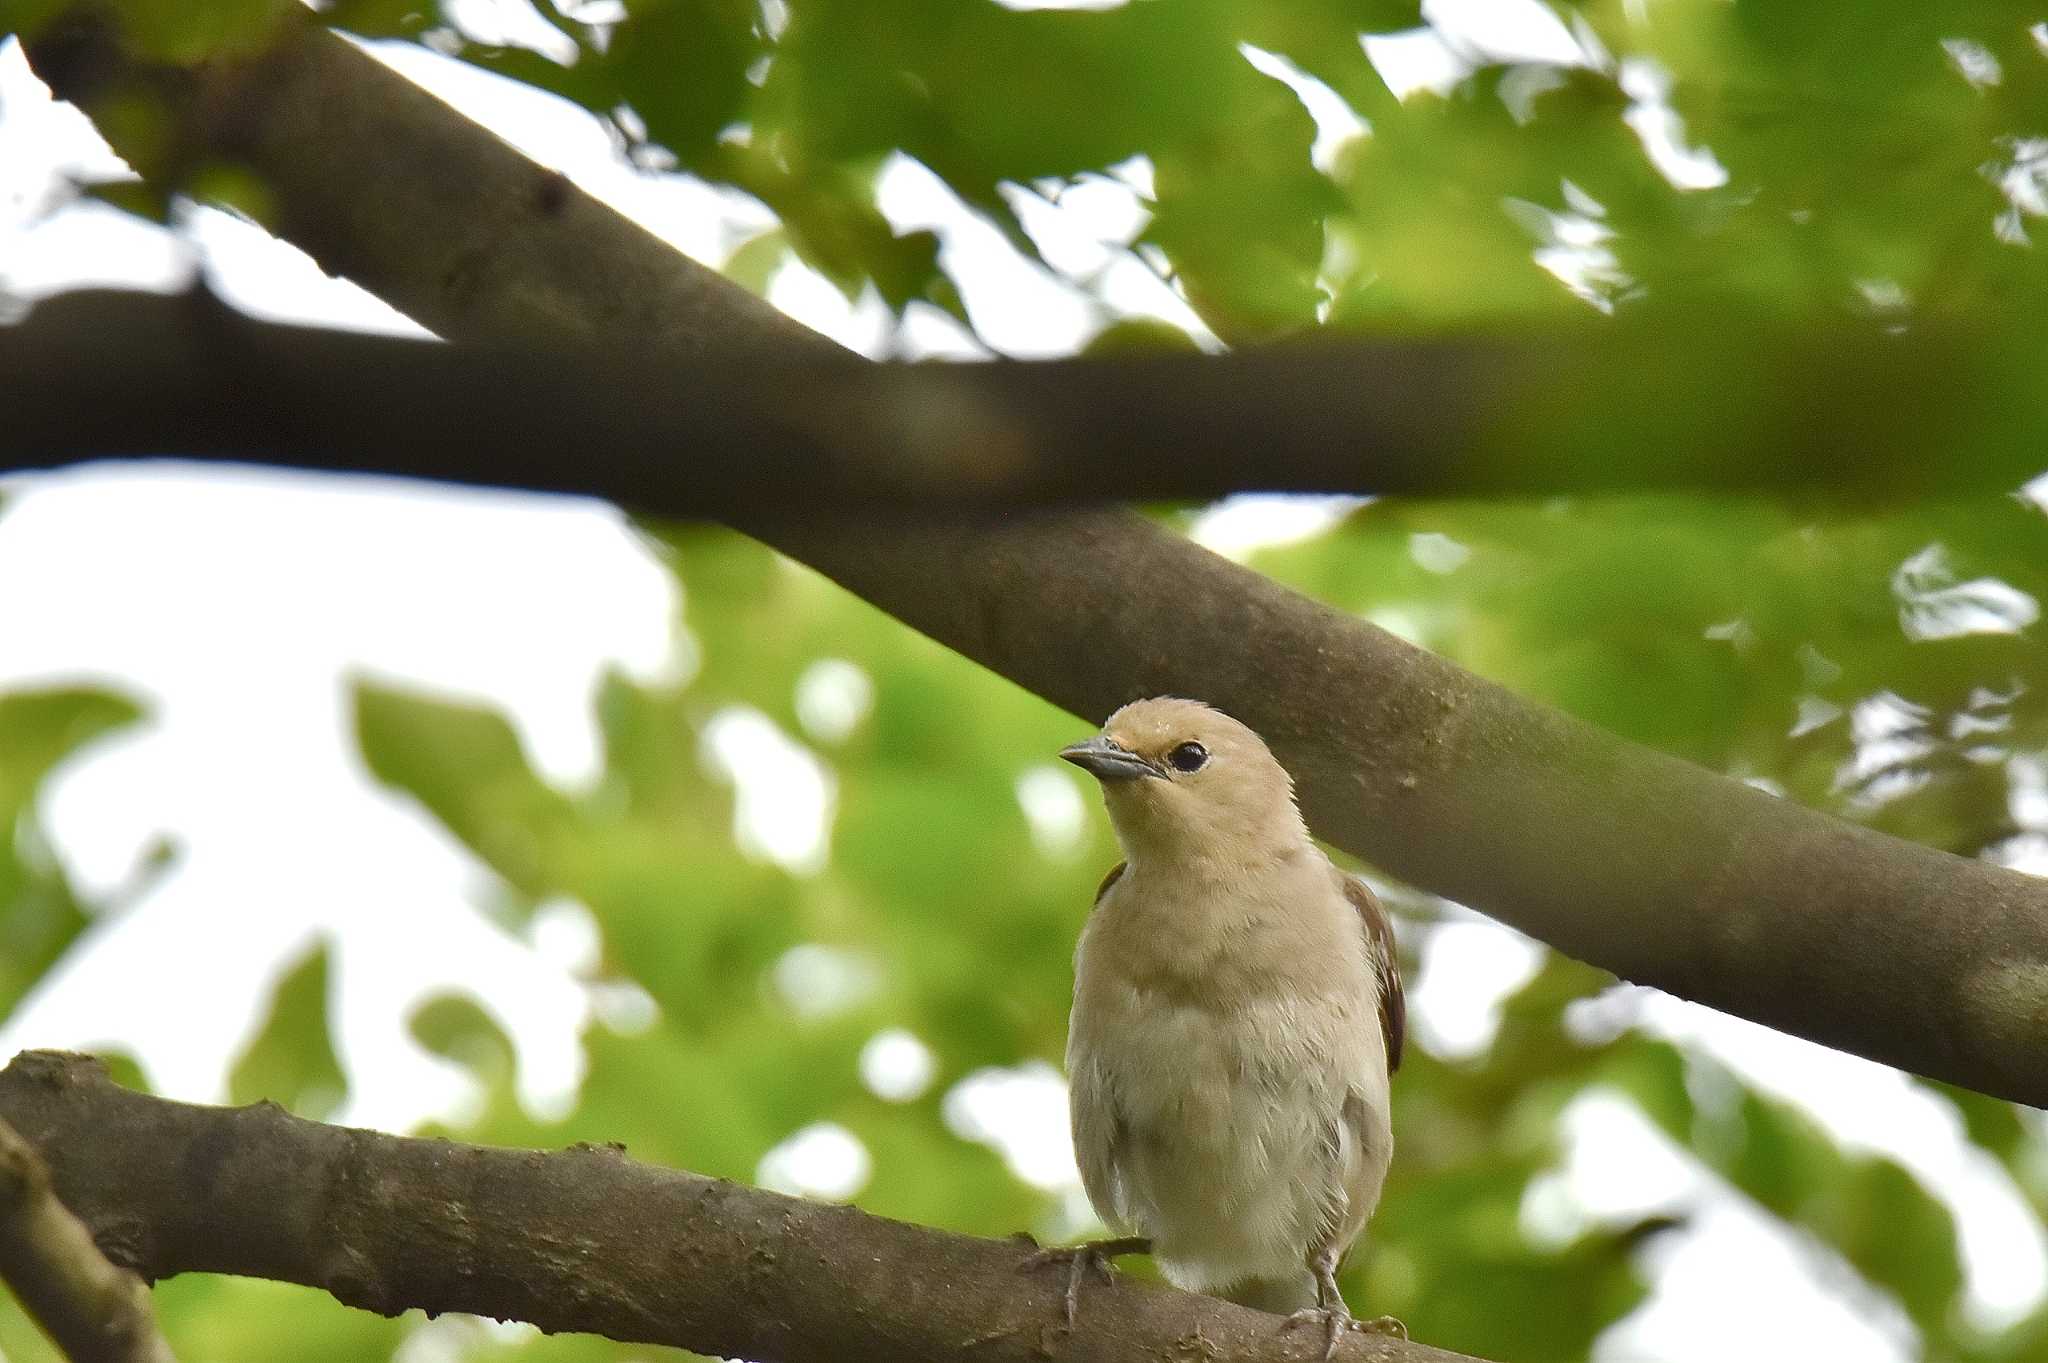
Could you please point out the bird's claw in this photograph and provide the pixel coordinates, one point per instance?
(1081, 1260)
(1336, 1322)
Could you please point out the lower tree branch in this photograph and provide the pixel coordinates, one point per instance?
(96, 1313)
(584, 1240)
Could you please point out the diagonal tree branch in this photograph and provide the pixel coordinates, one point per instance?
(1655, 869)
(100, 374)
(96, 1313)
(585, 1240)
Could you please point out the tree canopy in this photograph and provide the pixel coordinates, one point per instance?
(1810, 231)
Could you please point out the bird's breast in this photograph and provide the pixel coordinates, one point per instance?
(1235, 1149)
(1203, 943)
(1209, 1028)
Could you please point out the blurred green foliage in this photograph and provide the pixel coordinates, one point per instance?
(1875, 164)
(40, 915)
(291, 1061)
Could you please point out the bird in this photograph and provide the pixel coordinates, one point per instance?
(1237, 1020)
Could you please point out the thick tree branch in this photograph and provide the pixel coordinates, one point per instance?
(1659, 871)
(585, 1240)
(96, 1313)
(106, 374)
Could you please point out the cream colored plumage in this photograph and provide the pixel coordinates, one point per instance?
(1237, 1016)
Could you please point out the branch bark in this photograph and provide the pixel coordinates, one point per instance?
(586, 1240)
(1657, 870)
(100, 374)
(95, 1312)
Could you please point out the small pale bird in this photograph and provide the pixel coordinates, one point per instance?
(1237, 1019)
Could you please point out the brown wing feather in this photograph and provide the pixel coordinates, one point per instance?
(1379, 934)
(1100, 1135)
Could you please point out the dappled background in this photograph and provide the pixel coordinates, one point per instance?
(505, 817)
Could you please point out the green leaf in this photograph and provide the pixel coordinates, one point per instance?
(1141, 336)
(753, 263)
(454, 1026)
(291, 1061)
(1901, 1238)
(38, 729)
(586, 82)
(40, 916)
(1652, 1074)
(465, 764)
(382, 18)
(135, 197)
(682, 65)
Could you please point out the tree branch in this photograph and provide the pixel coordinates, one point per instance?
(97, 374)
(96, 1313)
(1657, 870)
(100, 374)
(585, 1240)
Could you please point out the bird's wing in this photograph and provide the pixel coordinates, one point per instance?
(1100, 1135)
(1100, 1142)
(1379, 937)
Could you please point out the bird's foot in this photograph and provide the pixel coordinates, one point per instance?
(1081, 1260)
(1337, 1321)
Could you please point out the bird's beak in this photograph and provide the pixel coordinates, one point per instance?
(1105, 761)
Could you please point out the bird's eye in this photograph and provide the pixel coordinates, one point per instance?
(1188, 757)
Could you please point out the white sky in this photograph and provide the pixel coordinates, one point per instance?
(239, 604)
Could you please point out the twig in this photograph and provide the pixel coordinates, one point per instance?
(96, 1313)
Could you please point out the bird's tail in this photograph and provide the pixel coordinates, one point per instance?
(1280, 1296)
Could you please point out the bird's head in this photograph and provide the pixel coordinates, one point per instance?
(1182, 780)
